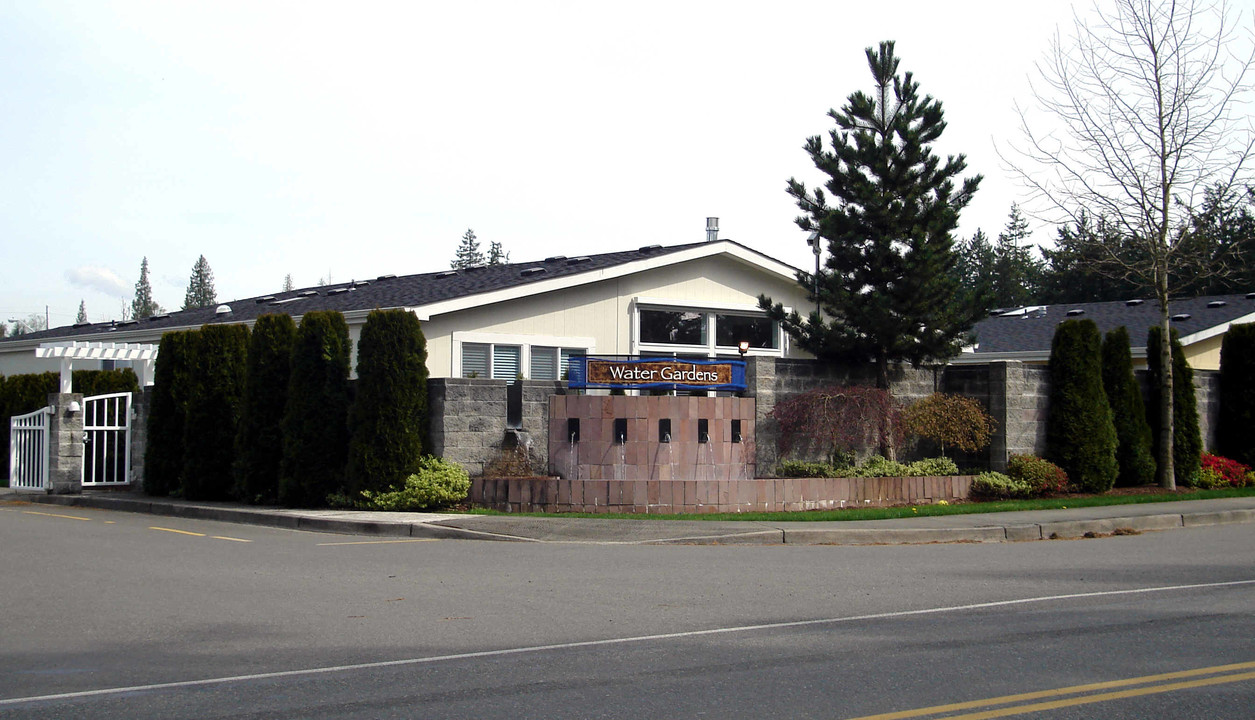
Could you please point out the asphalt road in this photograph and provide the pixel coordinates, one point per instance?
(116, 615)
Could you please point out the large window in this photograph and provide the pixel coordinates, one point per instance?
(716, 331)
(760, 332)
(673, 327)
(551, 363)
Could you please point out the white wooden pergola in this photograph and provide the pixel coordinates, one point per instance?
(142, 357)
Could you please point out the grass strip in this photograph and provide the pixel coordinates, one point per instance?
(902, 511)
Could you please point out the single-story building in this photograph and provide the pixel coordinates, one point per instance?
(1025, 333)
(519, 320)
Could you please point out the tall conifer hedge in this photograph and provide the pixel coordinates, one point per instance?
(259, 442)
(1187, 439)
(389, 417)
(163, 456)
(1080, 435)
(215, 397)
(1133, 443)
(315, 422)
(1235, 435)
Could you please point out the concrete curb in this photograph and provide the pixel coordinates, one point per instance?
(440, 527)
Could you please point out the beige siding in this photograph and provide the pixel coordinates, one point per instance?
(602, 310)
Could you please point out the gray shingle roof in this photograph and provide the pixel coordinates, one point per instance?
(1032, 331)
(387, 291)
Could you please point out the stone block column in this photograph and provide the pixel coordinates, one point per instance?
(760, 384)
(65, 440)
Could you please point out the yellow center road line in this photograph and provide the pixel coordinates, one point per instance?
(180, 532)
(67, 517)
(1074, 689)
(220, 537)
(378, 542)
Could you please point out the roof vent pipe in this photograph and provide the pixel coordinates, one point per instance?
(712, 229)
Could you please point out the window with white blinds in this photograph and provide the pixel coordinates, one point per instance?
(475, 359)
(506, 362)
(544, 363)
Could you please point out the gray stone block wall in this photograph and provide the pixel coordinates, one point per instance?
(468, 421)
(65, 439)
(141, 402)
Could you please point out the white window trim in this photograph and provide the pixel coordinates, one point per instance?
(710, 349)
(524, 342)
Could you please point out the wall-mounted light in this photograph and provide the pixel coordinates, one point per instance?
(743, 347)
(73, 406)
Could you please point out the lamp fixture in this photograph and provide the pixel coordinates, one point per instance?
(743, 347)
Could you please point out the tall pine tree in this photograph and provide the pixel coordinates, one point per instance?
(469, 254)
(143, 306)
(200, 287)
(887, 287)
(82, 313)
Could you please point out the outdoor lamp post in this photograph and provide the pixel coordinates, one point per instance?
(813, 241)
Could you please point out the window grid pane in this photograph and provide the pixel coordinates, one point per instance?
(474, 360)
(505, 362)
(544, 365)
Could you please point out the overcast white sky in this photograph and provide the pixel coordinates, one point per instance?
(362, 139)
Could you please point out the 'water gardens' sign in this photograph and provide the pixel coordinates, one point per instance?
(666, 373)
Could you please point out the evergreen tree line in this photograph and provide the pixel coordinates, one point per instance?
(1100, 431)
(270, 416)
(1005, 272)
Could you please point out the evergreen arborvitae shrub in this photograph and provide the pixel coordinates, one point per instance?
(1187, 439)
(1133, 442)
(105, 382)
(1235, 434)
(1080, 435)
(163, 456)
(259, 442)
(389, 417)
(315, 422)
(215, 396)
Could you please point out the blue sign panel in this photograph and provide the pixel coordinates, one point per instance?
(661, 373)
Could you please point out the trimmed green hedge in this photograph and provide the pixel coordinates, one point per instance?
(215, 397)
(1235, 433)
(1080, 434)
(167, 410)
(389, 415)
(315, 422)
(1133, 442)
(259, 442)
(1187, 439)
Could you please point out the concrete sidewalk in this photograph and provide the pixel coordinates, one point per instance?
(989, 527)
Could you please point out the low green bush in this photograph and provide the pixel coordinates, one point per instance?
(1042, 476)
(995, 485)
(436, 484)
(875, 466)
(798, 468)
(933, 467)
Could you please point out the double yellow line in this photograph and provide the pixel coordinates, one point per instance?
(1091, 693)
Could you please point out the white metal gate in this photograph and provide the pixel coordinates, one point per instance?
(107, 440)
(28, 450)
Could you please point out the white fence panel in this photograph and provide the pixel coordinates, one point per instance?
(107, 440)
(28, 450)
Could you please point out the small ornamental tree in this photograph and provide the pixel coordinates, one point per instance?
(949, 420)
(1133, 441)
(315, 421)
(1235, 433)
(215, 396)
(163, 455)
(1187, 440)
(1080, 435)
(389, 415)
(259, 442)
(835, 422)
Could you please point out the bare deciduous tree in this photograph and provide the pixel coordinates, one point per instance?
(1139, 117)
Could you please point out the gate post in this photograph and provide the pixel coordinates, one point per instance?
(65, 439)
